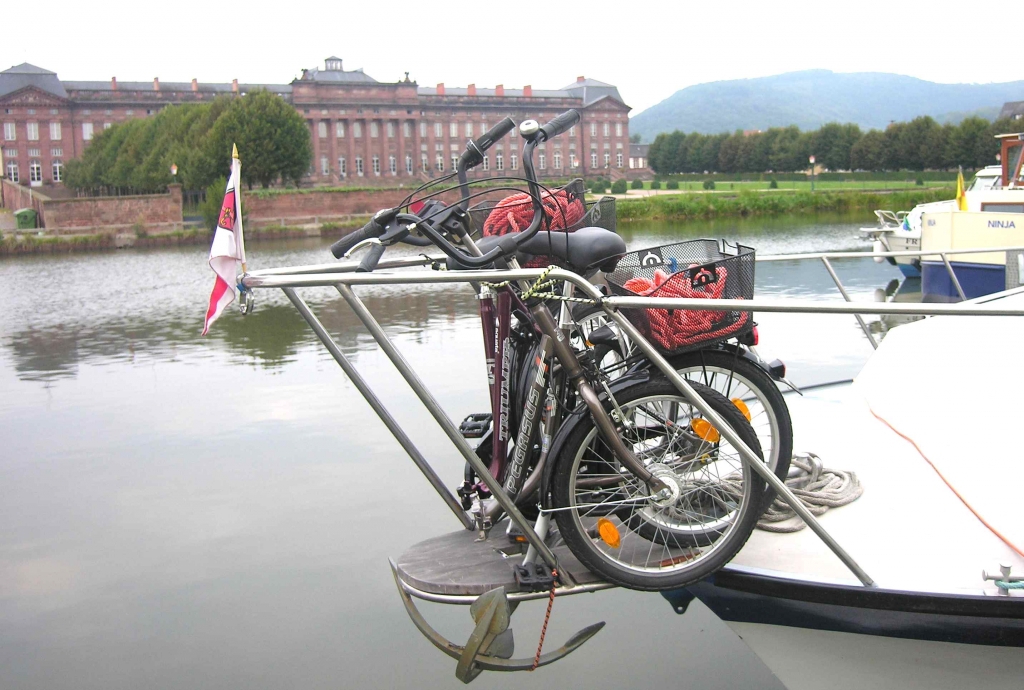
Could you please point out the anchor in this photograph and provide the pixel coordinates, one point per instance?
(490, 646)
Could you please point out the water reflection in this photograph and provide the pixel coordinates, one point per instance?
(57, 313)
(182, 512)
(64, 318)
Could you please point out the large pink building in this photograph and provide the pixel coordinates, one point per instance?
(363, 131)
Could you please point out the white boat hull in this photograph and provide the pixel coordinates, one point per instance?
(810, 659)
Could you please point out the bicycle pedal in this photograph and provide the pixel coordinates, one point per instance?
(475, 425)
(533, 577)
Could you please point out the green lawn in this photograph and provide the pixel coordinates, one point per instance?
(698, 186)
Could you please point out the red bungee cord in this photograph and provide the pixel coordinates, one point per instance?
(515, 213)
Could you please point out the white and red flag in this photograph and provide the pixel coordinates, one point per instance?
(227, 254)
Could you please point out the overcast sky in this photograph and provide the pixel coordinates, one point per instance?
(648, 49)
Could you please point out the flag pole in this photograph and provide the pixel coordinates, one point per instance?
(239, 238)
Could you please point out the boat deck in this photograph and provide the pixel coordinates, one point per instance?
(933, 414)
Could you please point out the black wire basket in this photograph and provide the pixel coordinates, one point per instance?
(600, 214)
(693, 269)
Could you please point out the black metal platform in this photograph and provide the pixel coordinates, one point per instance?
(456, 564)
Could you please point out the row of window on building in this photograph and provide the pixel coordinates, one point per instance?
(439, 163)
(453, 129)
(35, 171)
(32, 130)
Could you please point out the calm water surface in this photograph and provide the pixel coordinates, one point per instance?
(181, 512)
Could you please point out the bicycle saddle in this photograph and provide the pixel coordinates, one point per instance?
(582, 251)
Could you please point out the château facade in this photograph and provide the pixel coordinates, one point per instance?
(363, 131)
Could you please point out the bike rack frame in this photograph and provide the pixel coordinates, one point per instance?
(343, 278)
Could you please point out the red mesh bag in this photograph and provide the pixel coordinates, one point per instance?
(676, 328)
(696, 269)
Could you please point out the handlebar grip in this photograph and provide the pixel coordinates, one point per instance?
(368, 231)
(473, 155)
(342, 246)
(560, 124)
(371, 259)
(495, 133)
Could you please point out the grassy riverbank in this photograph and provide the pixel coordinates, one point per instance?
(27, 244)
(670, 207)
(685, 206)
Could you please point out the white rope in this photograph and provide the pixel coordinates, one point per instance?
(832, 489)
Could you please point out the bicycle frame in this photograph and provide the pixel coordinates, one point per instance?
(495, 313)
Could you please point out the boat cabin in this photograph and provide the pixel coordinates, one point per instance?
(1011, 158)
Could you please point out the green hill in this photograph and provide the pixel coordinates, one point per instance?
(811, 98)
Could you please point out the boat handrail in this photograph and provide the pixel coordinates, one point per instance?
(325, 275)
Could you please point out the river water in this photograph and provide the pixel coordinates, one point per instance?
(187, 512)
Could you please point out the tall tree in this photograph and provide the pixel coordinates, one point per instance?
(272, 138)
(869, 152)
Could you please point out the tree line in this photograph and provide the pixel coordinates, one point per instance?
(135, 157)
(921, 144)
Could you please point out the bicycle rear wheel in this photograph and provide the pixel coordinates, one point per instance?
(618, 530)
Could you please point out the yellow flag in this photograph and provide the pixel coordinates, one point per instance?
(961, 197)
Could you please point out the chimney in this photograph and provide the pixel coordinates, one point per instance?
(195, 85)
(113, 83)
(234, 86)
(499, 90)
(156, 83)
(580, 80)
(440, 89)
(471, 90)
(528, 91)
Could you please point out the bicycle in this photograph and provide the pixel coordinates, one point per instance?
(640, 475)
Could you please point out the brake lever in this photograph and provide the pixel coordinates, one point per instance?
(365, 243)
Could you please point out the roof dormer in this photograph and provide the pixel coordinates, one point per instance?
(332, 64)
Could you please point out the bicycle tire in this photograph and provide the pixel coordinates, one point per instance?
(697, 474)
(776, 440)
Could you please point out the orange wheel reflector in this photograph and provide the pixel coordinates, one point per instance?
(609, 532)
(742, 407)
(704, 429)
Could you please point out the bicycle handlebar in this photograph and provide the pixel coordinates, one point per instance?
(474, 153)
(367, 232)
(560, 124)
(473, 156)
(371, 259)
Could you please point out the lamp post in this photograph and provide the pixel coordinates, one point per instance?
(811, 159)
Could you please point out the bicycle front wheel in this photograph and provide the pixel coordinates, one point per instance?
(613, 524)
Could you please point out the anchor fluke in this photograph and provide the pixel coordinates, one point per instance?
(490, 646)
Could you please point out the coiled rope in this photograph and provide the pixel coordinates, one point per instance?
(832, 489)
(515, 212)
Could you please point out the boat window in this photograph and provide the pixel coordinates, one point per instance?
(1003, 208)
(980, 183)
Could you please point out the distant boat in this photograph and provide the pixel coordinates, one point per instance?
(994, 217)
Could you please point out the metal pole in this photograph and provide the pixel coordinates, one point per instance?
(754, 305)
(379, 408)
(748, 455)
(447, 425)
(842, 290)
(952, 276)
